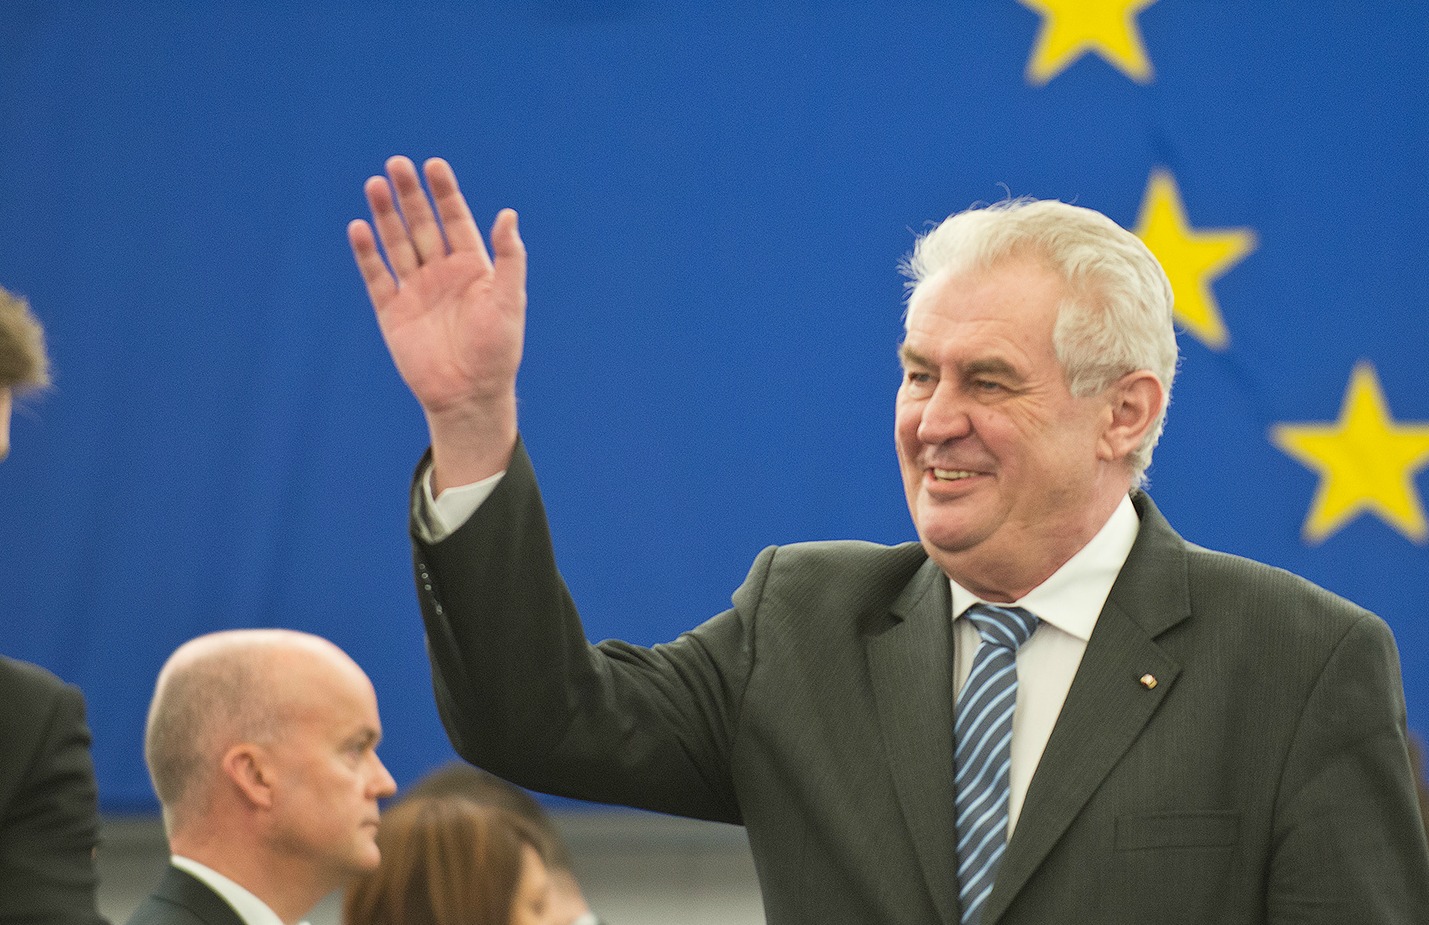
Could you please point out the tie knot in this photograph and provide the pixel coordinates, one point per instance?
(1008, 627)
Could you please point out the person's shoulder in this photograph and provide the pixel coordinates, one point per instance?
(158, 911)
(850, 554)
(1228, 582)
(1274, 610)
(843, 567)
(25, 679)
(182, 899)
(1239, 578)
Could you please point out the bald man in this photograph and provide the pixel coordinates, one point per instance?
(262, 745)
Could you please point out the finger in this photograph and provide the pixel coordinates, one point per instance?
(380, 285)
(391, 230)
(460, 227)
(416, 209)
(510, 275)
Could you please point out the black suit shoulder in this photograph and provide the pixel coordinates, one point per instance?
(847, 576)
(850, 561)
(1292, 628)
(1230, 580)
(183, 899)
(40, 692)
(49, 820)
(1246, 604)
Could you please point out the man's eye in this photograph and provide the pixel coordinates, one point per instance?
(918, 378)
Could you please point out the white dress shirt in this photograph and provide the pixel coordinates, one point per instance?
(251, 909)
(1067, 604)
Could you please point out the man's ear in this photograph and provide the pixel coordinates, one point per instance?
(1133, 403)
(247, 767)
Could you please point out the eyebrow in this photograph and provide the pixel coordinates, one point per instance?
(910, 357)
(991, 366)
(367, 736)
(983, 367)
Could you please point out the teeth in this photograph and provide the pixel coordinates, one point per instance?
(951, 475)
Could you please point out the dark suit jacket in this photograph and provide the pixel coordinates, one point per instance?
(49, 821)
(183, 899)
(1264, 778)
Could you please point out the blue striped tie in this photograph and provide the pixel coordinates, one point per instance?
(983, 733)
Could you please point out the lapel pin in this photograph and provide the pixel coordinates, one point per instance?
(1148, 681)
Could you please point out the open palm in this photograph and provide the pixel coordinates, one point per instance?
(452, 317)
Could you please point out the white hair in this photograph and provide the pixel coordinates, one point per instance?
(1117, 318)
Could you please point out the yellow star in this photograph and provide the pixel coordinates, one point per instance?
(1071, 28)
(1192, 258)
(1366, 462)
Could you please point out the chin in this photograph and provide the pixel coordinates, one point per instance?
(367, 859)
(949, 538)
(945, 532)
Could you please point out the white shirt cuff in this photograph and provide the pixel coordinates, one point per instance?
(442, 516)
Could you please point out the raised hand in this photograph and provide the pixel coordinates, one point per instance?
(453, 318)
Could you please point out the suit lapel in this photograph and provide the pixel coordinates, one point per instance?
(1107, 706)
(188, 892)
(910, 660)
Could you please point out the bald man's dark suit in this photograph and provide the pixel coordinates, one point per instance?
(1262, 778)
(183, 899)
(49, 818)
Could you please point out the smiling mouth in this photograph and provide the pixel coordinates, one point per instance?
(952, 475)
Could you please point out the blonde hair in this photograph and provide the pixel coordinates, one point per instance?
(23, 361)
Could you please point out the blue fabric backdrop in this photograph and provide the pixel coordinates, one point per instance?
(715, 198)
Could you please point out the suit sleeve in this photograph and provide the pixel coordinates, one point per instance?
(523, 694)
(50, 825)
(1350, 843)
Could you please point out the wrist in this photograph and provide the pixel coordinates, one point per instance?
(471, 443)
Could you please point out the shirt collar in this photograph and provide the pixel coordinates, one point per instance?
(1073, 597)
(251, 909)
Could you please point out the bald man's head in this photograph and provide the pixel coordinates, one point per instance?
(225, 689)
(263, 749)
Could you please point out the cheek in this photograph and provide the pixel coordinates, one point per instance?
(1079, 438)
(906, 418)
(1023, 430)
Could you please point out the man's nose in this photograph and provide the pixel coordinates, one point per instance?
(384, 784)
(945, 415)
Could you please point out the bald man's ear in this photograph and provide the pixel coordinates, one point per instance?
(1134, 402)
(246, 767)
